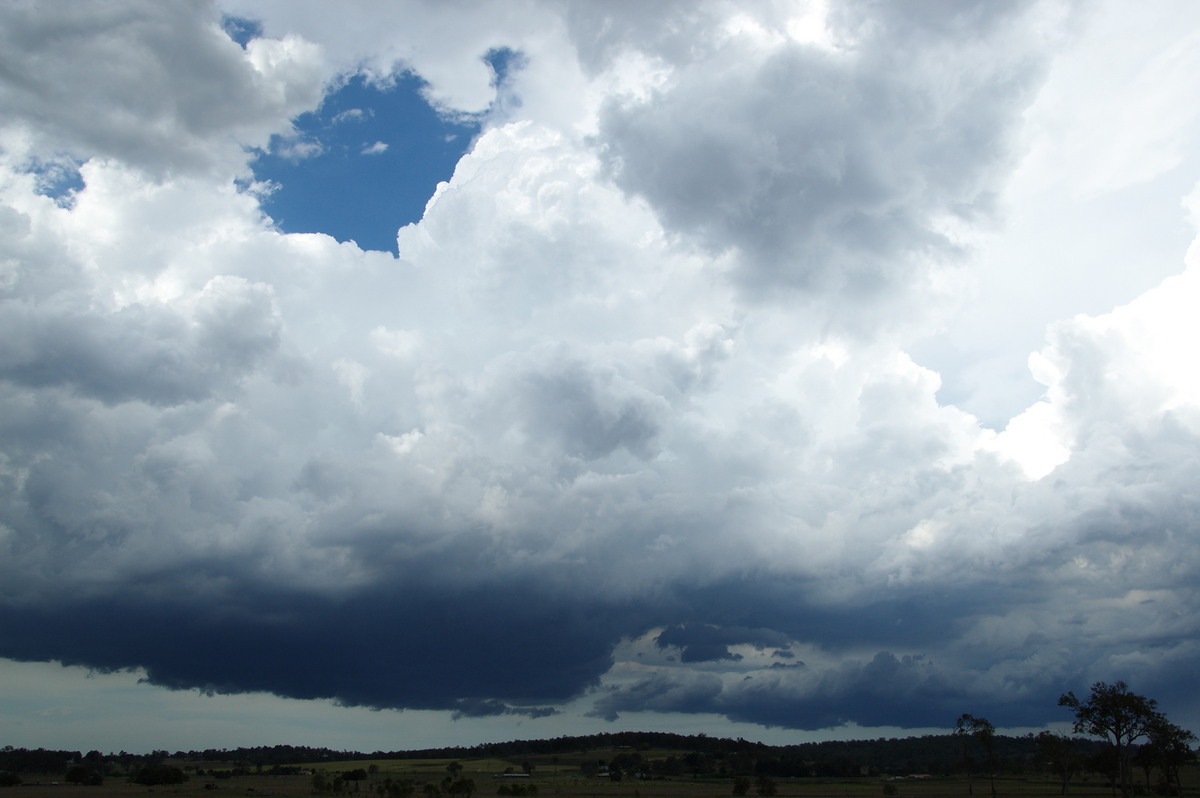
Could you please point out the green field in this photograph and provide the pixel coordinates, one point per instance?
(560, 776)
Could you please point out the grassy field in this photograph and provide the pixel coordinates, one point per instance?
(562, 779)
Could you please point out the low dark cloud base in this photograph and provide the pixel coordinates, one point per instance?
(518, 650)
(381, 649)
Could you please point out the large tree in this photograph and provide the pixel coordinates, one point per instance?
(1117, 715)
(1059, 752)
(1168, 748)
(983, 731)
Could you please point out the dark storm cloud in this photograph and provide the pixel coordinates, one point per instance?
(876, 692)
(475, 653)
(691, 692)
(486, 708)
(880, 690)
(705, 643)
(488, 646)
(764, 611)
(514, 646)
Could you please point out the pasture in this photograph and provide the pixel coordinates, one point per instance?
(560, 777)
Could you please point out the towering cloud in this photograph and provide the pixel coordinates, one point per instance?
(633, 418)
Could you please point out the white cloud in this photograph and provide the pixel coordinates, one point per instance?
(125, 90)
(1035, 440)
(352, 115)
(1091, 210)
(1123, 86)
(297, 149)
(832, 177)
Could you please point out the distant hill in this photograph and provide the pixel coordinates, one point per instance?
(654, 753)
(701, 754)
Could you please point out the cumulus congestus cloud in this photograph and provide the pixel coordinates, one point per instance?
(633, 417)
(841, 166)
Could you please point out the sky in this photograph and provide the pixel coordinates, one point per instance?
(413, 374)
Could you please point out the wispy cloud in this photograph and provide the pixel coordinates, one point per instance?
(353, 115)
(298, 149)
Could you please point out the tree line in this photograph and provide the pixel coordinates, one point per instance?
(1131, 730)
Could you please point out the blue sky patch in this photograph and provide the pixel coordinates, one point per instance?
(59, 180)
(503, 61)
(364, 164)
(241, 30)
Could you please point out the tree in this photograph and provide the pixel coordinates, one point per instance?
(962, 732)
(400, 788)
(1105, 763)
(152, 775)
(462, 787)
(1117, 715)
(1168, 748)
(1058, 751)
(1143, 757)
(81, 774)
(982, 730)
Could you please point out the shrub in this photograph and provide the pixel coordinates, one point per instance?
(80, 774)
(159, 774)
